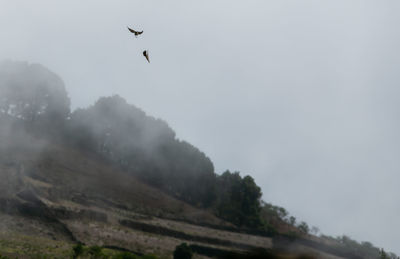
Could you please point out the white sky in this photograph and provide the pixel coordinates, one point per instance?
(302, 95)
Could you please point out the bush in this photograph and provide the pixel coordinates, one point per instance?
(149, 257)
(96, 252)
(183, 251)
(78, 250)
(124, 255)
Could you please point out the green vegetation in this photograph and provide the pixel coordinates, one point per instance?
(239, 199)
(145, 146)
(33, 97)
(124, 255)
(183, 251)
(385, 255)
(97, 252)
(303, 227)
(35, 104)
(363, 249)
(148, 148)
(78, 250)
(37, 247)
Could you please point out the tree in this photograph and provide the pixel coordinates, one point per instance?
(239, 199)
(292, 220)
(314, 230)
(31, 92)
(146, 147)
(383, 254)
(303, 227)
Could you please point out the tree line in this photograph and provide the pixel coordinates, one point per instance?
(35, 99)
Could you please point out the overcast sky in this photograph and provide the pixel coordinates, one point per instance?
(301, 95)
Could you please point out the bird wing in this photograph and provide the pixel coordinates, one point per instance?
(146, 55)
(131, 30)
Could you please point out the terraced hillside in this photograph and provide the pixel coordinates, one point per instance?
(65, 195)
(110, 179)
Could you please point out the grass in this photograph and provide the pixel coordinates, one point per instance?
(22, 246)
(33, 247)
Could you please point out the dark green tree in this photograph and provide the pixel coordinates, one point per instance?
(239, 199)
(303, 227)
(183, 251)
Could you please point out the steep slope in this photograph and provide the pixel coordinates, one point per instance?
(113, 176)
(62, 193)
(56, 174)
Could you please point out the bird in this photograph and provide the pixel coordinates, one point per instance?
(135, 32)
(146, 55)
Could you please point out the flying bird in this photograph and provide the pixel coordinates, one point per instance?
(146, 55)
(135, 32)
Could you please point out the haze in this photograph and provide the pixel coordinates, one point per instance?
(301, 95)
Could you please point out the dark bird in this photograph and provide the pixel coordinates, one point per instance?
(146, 55)
(135, 32)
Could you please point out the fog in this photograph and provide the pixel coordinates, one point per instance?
(301, 95)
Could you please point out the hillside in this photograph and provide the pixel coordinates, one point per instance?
(113, 177)
(70, 196)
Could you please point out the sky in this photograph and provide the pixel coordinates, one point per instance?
(301, 95)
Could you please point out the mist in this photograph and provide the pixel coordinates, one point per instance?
(300, 95)
(28, 94)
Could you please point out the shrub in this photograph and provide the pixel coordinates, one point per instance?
(78, 250)
(183, 251)
(124, 255)
(96, 252)
(149, 257)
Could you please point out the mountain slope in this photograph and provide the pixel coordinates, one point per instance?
(69, 195)
(112, 176)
